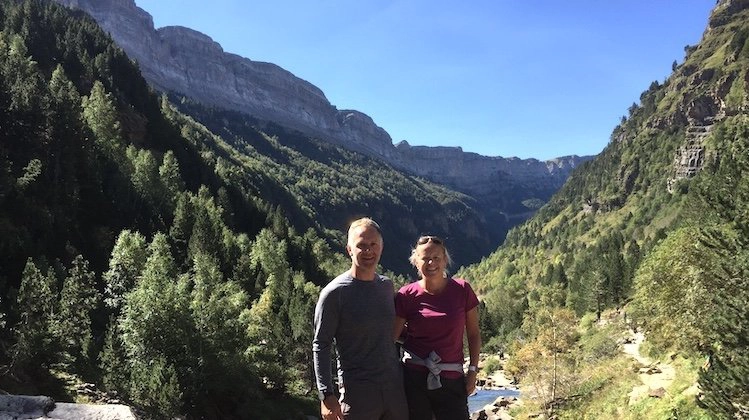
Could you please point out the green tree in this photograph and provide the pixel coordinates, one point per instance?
(208, 229)
(125, 266)
(545, 361)
(158, 334)
(269, 330)
(145, 177)
(113, 360)
(78, 300)
(671, 287)
(155, 384)
(182, 225)
(222, 318)
(36, 307)
(280, 319)
(171, 178)
(66, 137)
(724, 380)
(101, 116)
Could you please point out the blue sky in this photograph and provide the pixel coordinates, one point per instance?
(535, 78)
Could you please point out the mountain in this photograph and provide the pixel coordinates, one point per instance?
(655, 225)
(178, 59)
(143, 258)
(173, 258)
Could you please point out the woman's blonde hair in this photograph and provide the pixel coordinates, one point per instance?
(423, 240)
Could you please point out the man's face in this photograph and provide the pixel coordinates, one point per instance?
(365, 247)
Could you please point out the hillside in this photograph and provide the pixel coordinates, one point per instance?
(655, 224)
(331, 185)
(184, 62)
(132, 258)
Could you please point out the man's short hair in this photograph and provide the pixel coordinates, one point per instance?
(363, 222)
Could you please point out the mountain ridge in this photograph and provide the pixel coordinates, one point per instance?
(654, 227)
(186, 61)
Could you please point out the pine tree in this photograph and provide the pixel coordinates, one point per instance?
(208, 229)
(171, 178)
(270, 330)
(78, 299)
(113, 360)
(724, 380)
(158, 334)
(220, 310)
(36, 306)
(145, 177)
(125, 266)
(182, 225)
(101, 116)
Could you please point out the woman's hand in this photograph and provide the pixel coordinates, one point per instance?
(471, 382)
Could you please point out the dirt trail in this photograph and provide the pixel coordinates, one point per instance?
(656, 377)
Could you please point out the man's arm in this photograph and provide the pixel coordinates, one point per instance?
(326, 323)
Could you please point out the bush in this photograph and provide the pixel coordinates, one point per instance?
(491, 365)
(494, 345)
(599, 346)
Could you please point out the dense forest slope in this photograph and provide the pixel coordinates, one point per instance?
(656, 224)
(324, 186)
(140, 251)
(175, 59)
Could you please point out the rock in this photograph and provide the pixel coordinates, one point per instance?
(36, 407)
(503, 415)
(70, 411)
(479, 415)
(650, 370)
(657, 393)
(25, 406)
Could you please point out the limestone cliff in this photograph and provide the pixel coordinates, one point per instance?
(188, 62)
(182, 60)
(479, 175)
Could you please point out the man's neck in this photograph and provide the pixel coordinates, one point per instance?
(363, 274)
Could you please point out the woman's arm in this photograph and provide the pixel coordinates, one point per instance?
(398, 327)
(474, 347)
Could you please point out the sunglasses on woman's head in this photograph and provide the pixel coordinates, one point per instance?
(424, 239)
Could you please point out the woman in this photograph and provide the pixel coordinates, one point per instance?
(435, 311)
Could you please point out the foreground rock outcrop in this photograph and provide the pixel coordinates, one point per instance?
(35, 407)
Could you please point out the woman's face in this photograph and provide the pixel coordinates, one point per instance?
(431, 261)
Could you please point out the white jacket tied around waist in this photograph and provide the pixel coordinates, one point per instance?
(432, 362)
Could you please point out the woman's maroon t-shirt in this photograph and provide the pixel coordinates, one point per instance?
(436, 322)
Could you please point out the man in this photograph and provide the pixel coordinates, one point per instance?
(356, 310)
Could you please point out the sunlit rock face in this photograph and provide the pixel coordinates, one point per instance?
(182, 60)
(482, 176)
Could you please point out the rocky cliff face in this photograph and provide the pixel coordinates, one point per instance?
(479, 175)
(180, 59)
(186, 61)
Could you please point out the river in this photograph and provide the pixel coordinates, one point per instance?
(483, 397)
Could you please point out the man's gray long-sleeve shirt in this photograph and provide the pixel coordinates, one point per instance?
(359, 316)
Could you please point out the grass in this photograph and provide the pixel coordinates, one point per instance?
(605, 377)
